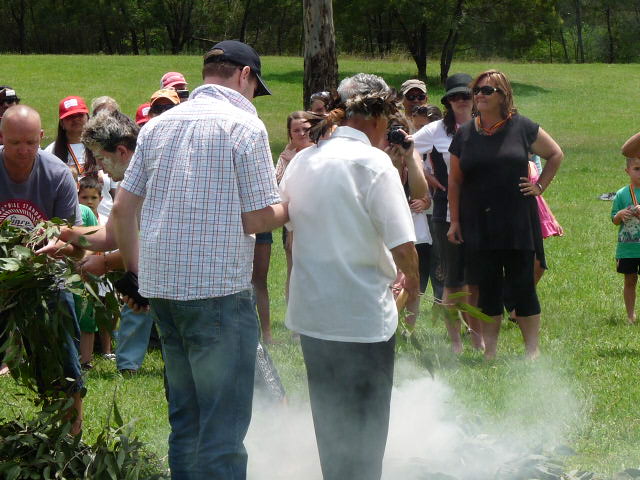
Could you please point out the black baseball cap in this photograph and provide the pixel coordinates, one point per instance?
(240, 54)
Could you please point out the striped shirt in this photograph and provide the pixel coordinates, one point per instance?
(199, 166)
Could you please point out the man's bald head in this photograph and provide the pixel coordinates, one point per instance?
(22, 117)
(21, 132)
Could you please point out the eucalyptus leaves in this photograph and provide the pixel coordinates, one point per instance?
(34, 320)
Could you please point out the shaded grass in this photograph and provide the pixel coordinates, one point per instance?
(584, 392)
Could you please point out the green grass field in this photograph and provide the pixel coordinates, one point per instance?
(583, 391)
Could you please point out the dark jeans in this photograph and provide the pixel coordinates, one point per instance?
(72, 381)
(350, 392)
(209, 348)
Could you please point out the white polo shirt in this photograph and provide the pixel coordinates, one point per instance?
(347, 208)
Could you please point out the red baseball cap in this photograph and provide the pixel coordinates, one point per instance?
(71, 106)
(170, 79)
(142, 114)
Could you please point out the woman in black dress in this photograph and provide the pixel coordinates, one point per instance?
(493, 211)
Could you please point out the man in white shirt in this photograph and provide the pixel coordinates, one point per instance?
(353, 227)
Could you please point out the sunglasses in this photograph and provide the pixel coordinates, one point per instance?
(486, 90)
(413, 98)
(9, 101)
(159, 109)
(456, 97)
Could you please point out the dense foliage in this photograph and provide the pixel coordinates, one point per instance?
(42, 448)
(540, 30)
(33, 323)
(33, 317)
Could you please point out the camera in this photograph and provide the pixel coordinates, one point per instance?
(183, 94)
(398, 137)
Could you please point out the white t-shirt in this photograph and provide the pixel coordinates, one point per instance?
(347, 209)
(434, 135)
(421, 227)
(107, 183)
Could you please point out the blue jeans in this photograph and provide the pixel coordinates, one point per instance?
(72, 380)
(209, 348)
(132, 338)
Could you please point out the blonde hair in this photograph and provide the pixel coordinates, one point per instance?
(500, 81)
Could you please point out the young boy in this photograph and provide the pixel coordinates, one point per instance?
(90, 195)
(626, 213)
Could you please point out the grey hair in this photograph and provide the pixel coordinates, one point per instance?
(108, 129)
(104, 102)
(361, 84)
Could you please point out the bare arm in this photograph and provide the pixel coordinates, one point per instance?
(125, 226)
(631, 148)
(265, 219)
(418, 187)
(455, 181)
(547, 148)
(101, 239)
(623, 215)
(411, 158)
(406, 260)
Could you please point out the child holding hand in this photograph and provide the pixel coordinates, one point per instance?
(626, 213)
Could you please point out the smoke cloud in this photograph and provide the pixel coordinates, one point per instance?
(430, 430)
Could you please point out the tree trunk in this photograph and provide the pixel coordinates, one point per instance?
(18, 12)
(419, 52)
(178, 22)
(132, 29)
(320, 59)
(145, 41)
(446, 57)
(449, 47)
(280, 33)
(611, 58)
(580, 45)
(564, 46)
(245, 19)
(416, 41)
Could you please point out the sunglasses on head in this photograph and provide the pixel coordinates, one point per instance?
(486, 90)
(413, 98)
(455, 97)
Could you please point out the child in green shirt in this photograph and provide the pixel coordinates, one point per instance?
(626, 213)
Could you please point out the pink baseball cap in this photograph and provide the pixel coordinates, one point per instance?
(170, 79)
(142, 114)
(71, 106)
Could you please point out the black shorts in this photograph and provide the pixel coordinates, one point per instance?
(628, 265)
(496, 269)
(264, 238)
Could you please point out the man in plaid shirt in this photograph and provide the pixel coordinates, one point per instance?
(203, 177)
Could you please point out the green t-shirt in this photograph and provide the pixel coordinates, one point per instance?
(88, 217)
(629, 233)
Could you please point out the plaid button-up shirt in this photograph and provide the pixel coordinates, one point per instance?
(199, 166)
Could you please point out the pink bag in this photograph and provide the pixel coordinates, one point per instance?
(548, 223)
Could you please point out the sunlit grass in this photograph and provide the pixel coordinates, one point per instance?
(584, 392)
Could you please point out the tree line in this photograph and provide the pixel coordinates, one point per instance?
(530, 30)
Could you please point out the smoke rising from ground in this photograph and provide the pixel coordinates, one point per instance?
(430, 431)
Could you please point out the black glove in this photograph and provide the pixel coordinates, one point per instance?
(128, 285)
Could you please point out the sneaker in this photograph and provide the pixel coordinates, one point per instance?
(109, 356)
(86, 366)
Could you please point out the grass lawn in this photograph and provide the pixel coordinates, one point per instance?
(583, 391)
